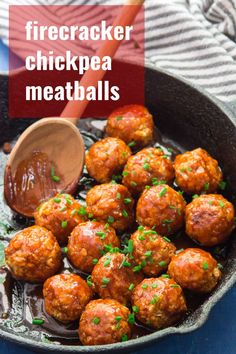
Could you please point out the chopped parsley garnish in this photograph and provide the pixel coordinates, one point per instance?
(174, 286)
(64, 224)
(163, 192)
(124, 338)
(89, 281)
(110, 219)
(135, 309)
(132, 143)
(133, 184)
(127, 201)
(107, 262)
(162, 264)
(101, 234)
(82, 211)
(221, 204)
(146, 166)
(155, 299)
(125, 214)
(118, 196)
(53, 176)
(105, 281)
(165, 276)
(118, 318)
(166, 239)
(96, 320)
(38, 321)
(131, 287)
(148, 254)
(222, 185)
(74, 212)
(131, 318)
(205, 266)
(137, 268)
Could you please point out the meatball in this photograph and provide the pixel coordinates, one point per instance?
(65, 296)
(159, 302)
(33, 255)
(209, 219)
(196, 172)
(111, 203)
(115, 276)
(87, 241)
(104, 322)
(195, 269)
(151, 250)
(161, 207)
(59, 215)
(133, 124)
(106, 158)
(148, 167)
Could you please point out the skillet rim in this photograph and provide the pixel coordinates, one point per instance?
(205, 309)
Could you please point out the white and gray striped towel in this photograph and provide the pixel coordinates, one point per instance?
(192, 38)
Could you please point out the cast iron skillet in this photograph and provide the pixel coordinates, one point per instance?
(192, 118)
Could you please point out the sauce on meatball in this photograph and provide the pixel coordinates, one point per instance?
(209, 219)
(195, 269)
(197, 172)
(146, 168)
(60, 215)
(161, 207)
(106, 158)
(133, 124)
(159, 302)
(33, 255)
(87, 241)
(111, 203)
(104, 322)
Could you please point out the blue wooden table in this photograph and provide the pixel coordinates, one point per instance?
(217, 336)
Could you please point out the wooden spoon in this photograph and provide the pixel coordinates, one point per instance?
(49, 156)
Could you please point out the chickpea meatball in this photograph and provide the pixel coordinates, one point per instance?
(115, 276)
(133, 124)
(195, 269)
(209, 219)
(106, 158)
(159, 302)
(147, 167)
(65, 296)
(161, 206)
(86, 244)
(33, 255)
(196, 172)
(104, 322)
(59, 215)
(111, 203)
(151, 250)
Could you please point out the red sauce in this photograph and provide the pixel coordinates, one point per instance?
(31, 184)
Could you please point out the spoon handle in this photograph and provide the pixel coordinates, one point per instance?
(126, 17)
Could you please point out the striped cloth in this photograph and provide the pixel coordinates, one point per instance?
(192, 38)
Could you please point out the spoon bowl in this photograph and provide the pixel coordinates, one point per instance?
(59, 141)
